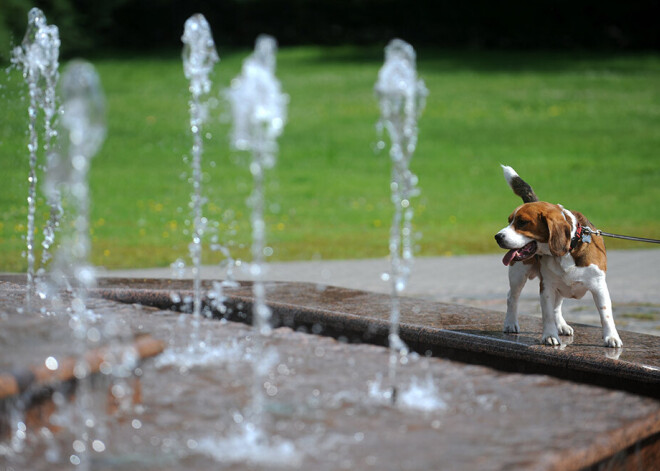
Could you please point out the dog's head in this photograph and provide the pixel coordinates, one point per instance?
(535, 228)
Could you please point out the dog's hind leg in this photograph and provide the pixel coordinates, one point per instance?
(519, 273)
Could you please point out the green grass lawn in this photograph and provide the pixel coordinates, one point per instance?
(583, 129)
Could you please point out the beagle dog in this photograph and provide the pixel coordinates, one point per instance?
(548, 241)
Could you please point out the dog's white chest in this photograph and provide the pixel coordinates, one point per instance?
(565, 277)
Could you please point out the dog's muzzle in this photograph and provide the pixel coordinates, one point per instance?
(499, 238)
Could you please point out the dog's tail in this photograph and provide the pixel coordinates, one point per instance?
(518, 185)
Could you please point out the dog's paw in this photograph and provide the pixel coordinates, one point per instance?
(565, 329)
(511, 328)
(552, 340)
(613, 341)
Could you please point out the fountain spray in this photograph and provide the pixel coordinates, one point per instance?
(199, 57)
(259, 113)
(83, 123)
(38, 57)
(402, 97)
(83, 132)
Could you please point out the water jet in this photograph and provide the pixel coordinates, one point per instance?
(199, 57)
(402, 97)
(37, 57)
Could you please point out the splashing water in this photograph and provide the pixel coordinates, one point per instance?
(199, 54)
(259, 113)
(229, 263)
(213, 356)
(421, 395)
(51, 76)
(37, 56)
(83, 123)
(83, 120)
(199, 57)
(402, 97)
(252, 446)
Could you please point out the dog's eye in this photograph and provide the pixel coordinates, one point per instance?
(520, 223)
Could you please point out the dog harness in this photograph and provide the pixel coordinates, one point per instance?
(581, 235)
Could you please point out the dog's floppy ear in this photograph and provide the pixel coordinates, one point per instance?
(559, 233)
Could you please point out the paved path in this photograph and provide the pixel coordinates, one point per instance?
(475, 280)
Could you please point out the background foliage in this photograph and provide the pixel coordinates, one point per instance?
(88, 25)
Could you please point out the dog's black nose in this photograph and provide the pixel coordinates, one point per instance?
(499, 237)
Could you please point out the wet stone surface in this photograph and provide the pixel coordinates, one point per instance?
(28, 337)
(325, 407)
(450, 330)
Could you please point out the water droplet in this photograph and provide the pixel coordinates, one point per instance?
(93, 335)
(271, 390)
(105, 368)
(118, 391)
(79, 446)
(51, 363)
(80, 371)
(238, 418)
(98, 446)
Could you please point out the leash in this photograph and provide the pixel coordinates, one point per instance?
(589, 231)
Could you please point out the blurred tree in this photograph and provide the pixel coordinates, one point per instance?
(83, 24)
(13, 17)
(140, 25)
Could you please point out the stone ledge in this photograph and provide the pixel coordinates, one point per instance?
(452, 331)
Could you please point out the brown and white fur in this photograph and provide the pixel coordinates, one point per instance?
(538, 238)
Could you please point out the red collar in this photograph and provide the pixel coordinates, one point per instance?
(577, 238)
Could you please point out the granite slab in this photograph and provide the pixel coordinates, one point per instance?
(452, 331)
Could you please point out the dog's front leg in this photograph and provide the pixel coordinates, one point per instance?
(518, 276)
(562, 326)
(550, 300)
(604, 305)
